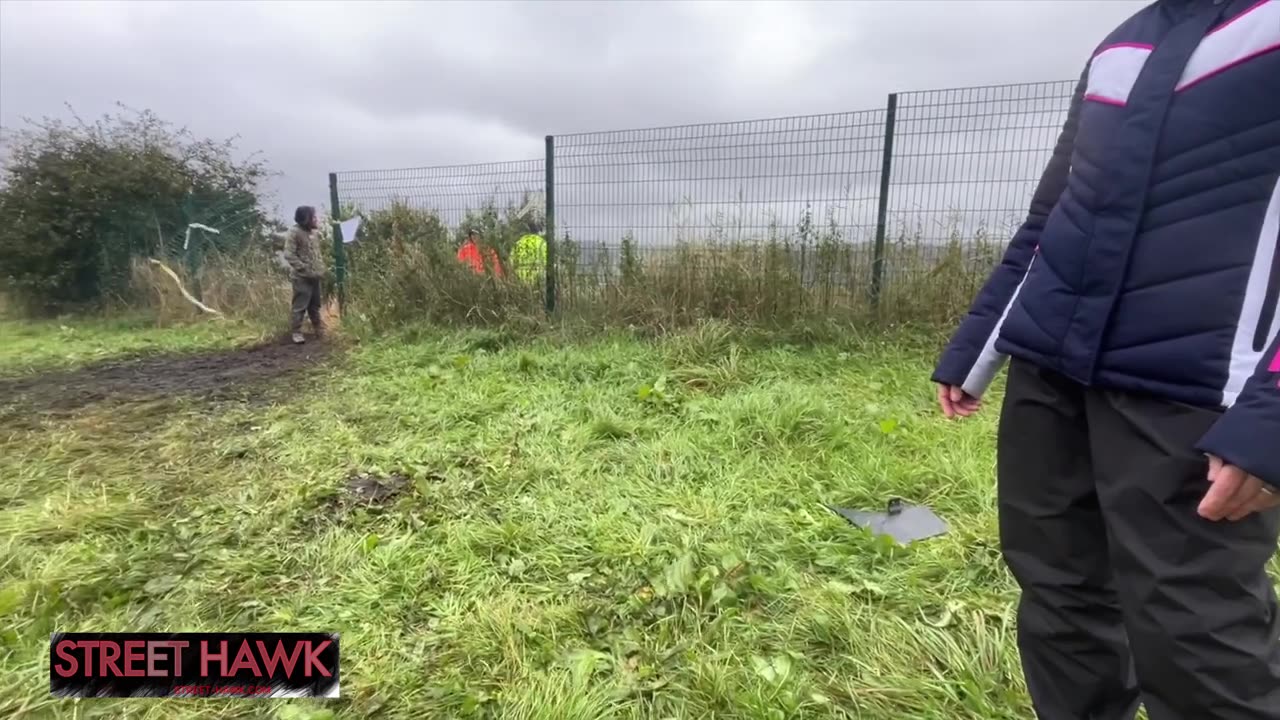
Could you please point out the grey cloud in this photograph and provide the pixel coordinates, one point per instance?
(332, 86)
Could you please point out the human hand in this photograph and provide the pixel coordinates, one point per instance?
(1234, 494)
(954, 401)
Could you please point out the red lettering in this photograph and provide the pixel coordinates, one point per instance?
(69, 669)
(178, 646)
(312, 655)
(278, 657)
(245, 660)
(153, 655)
(110, 654)
(88, 646)
(133, 654)
(206, 657)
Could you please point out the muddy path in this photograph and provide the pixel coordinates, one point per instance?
(239, 373)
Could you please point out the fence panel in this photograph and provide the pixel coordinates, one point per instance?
(403, 264)
(741, 209)
(964, 166)
(698, 195)
(451, 192)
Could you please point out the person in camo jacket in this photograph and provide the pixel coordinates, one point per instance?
(306, 267)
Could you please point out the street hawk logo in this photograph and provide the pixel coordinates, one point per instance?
(193, 665)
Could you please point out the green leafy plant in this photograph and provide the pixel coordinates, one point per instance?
(81, 200)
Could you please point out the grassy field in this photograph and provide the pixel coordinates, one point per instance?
(38, 346)
(612, 528)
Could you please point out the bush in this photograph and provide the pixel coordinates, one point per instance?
(81, 201)
(404, 269)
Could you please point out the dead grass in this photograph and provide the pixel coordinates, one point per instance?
(244, 288)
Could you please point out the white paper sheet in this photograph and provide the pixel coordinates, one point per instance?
(349, 229)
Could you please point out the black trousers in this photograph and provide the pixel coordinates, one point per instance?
(1127, 594)
(306, 302)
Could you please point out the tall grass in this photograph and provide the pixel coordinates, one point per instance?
(243, 286)
(403, 270)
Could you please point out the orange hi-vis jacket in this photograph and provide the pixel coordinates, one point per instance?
(470, 254)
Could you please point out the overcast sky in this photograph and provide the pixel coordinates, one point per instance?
(322, 86)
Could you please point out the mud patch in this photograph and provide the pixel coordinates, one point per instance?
(363, 489)
(217, 375)
(364, 494)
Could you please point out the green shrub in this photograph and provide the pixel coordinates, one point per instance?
(81, 201)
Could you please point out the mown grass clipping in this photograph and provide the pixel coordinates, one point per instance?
(519, 528)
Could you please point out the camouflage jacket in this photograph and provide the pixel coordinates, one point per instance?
(302, 252)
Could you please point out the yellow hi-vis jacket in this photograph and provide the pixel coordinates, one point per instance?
(529, 257)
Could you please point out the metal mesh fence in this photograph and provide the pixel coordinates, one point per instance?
(706, 191)
(914, 199)
(964, 165)
(450, 192)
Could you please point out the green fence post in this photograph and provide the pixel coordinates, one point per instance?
(191, 248)
(550, 192)
(193, 257)
(339, 249)
(882, 212)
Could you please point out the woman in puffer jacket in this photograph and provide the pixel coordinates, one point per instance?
(1139, 443)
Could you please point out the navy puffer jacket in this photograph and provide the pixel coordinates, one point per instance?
(1148, 261)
